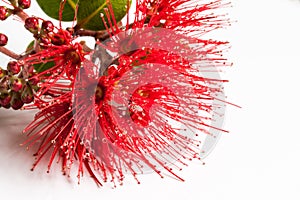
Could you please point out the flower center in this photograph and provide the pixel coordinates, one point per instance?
(72, 55)
(99, 93)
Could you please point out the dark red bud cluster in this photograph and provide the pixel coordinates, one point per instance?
(6, 12)
(16, 85)
(45, 32)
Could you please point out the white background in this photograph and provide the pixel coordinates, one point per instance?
(258, 159)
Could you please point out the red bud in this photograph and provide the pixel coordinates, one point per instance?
(32, 24)
(16, 84)
(16, 102)
(3, 39)
(13, 67)
(24, 4)
(4, 13)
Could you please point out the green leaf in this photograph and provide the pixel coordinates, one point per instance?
(52, 7)
(43, 66)
(88, 15)
(30, 47)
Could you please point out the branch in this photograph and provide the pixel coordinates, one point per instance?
(100, 35)
(20, 13)
(9, 53)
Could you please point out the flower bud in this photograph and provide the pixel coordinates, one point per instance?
(3, 39)
(27, 94)
(24, 4)
(5, 99)
(4, 13)
(32, 24)
(47, 26)
(13, 67)
(44, 40)
(16, 84)
(16, 103)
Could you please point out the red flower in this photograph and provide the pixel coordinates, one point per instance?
(56, 61)
(145, 105)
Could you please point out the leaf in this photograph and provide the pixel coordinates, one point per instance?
(88, 15)
(43, 66)
(30, 47)
(52, 7)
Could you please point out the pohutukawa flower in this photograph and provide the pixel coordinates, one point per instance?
(3, 39)
(62, 57)
(140, 100)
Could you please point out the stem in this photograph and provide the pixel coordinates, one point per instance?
(9, 53)
(20, 13)
(100, 35)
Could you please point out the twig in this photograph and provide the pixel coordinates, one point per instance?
(9, 53)
(20, 13)
(99, 35)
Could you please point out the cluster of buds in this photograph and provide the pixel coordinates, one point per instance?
(44, 32)
(17, 85)
(18, 82)
(17, 6)
(5, 12)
